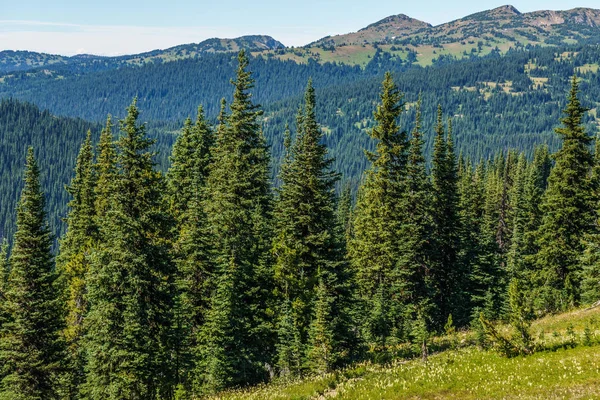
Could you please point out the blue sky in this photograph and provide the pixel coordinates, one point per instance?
(111, 27)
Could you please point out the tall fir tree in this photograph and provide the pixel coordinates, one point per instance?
(374, 247)
(590, 259)
(412, 273)
(535, 186)
(72, 262)
(238, 207)
(447, 276)
(32, 348)
(568, 208)
(514, 260)
(4, 271)
(305, 221)
(186, 181)
(130, 280)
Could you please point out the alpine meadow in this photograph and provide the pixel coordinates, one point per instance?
(408, 211)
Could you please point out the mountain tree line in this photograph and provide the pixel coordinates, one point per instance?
(178, 285)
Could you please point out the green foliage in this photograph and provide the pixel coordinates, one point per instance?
(130, 279)
(31, 346)
(72, 262)
(568, 207)
(238, 207)
(375, 244)
(447, 275)
(186, 181)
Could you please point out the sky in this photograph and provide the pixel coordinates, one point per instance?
(116, 27)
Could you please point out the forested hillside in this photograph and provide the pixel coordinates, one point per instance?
(208, 277)
(57, 141)
(496, 102)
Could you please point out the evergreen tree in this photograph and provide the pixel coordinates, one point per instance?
(374, 247)
(106, 169)
(305, 224)
(238, 206)
(4, 271)
(411, 283)
(31, 346)
(590, 259)
(568, 208)
(72, 262)
(322, 355)
(447, 277)
(514, 261)
(186, 181)
(471, 205)
(535, 186)
(130, 279)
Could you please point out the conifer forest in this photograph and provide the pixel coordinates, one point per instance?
(225, 252)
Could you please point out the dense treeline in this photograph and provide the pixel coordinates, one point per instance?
(488, 118)
(56, 141)
(178, 285)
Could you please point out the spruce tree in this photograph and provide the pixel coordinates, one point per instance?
(31, 345)
(568, 208)
(535, 186)
(306, 231)
(590, 259)
(374, 247)
(447, 277)
(72, 262)
(237, 206)
(514, 261)
(186, 181)
(4, 271)
(321, 354)
(471, 205)
(130, 283)
(411, 282)
(106, 169)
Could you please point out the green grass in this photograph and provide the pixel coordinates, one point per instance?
(567, 367)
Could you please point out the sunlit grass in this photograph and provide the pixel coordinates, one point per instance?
(567, 365)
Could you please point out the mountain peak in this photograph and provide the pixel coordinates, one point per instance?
(505, 10)
(399, 22)
(498, 13)
(394, 26)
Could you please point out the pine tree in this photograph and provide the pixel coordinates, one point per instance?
(106, 169)
(374, 248)
(4, 271)
(72, 262)
(321, 355)
(186, 180)
(413, 264)
(447, 277)
(237, 206)
(535, 186)
(130, 279)
(290, 350)
(471, 205)
(568, 208)
(305, 224)
(31, 346)
(514, 261)
(590, 259)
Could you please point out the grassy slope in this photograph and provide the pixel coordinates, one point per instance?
(568, 368)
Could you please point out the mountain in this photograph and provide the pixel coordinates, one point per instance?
(390, 28)
(11, 61)
(500, 29)
(23, 60)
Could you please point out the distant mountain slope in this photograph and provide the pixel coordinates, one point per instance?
(11, 61)
(390, 28)
(23, 60)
